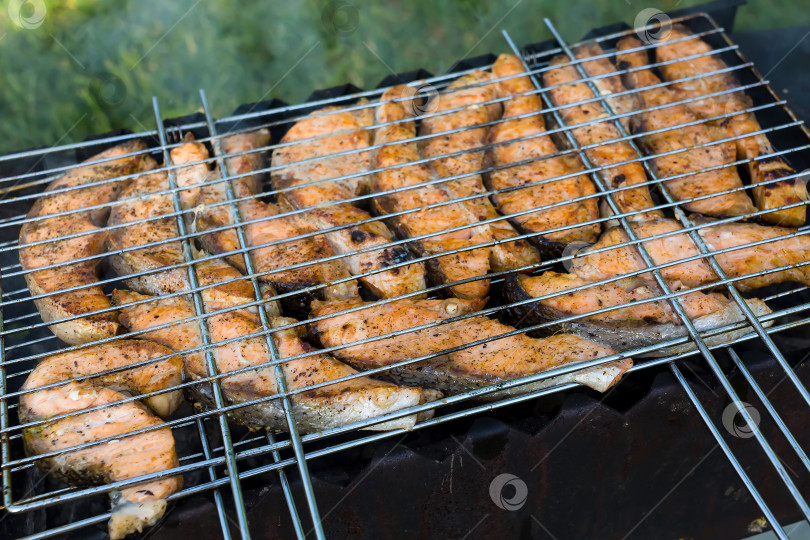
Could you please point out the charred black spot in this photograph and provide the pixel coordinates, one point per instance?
(778, 169)
(773, 175)
(649, 319)
(773, 160)
(618, 179)
(358, 236)
(394, 256)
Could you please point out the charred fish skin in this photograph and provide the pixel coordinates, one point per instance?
(116, 162)
(500, 359)
(675, 44)
(635, 322)
(698, 150)
(547, 180)
(316, 175)
(127, 456)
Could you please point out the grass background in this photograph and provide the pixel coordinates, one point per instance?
(89, 66)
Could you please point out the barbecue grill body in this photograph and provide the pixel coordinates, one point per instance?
(593, 466)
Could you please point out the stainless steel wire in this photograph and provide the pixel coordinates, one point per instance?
(707, 355)
(211, 366)
(295, 438)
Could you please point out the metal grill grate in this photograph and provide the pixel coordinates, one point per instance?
(206, 442)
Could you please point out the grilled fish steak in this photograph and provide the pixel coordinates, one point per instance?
(160, 269)
(522, 119)
(123, 458)
(773, 195)
(262, 225)
(392, 117)
(686, 159)
(791, 250)
(469, 94)
(603, 74)
(569, 92)
(324, 133)
(83, 302)
(321, 408)
(639, 322)
(498, 360)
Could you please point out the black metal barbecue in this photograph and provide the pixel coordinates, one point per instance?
(632, 462)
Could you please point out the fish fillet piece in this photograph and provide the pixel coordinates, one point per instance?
(685, 138)
(522, 119)
(498, 360)
(129, 456)
(160, 269)
(603, 74)
(634, 324)
(321, 408)
(686, 275)
(774, 195)
(469, 93)
(444, 269)
(602, 137)
(335, 130)
(85, 301)
(331, 130)
(261, 224)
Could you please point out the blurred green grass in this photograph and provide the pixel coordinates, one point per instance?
(89, 66)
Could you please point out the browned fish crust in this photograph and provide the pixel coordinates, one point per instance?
(239, 344)
(57, 306)
(688, 148)
(601, 137)
(264, 225)
(394, 158)
(468, 139)
(773, 195)
(324, 133)
(126, 456)
(547, 180)
(499, 360)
